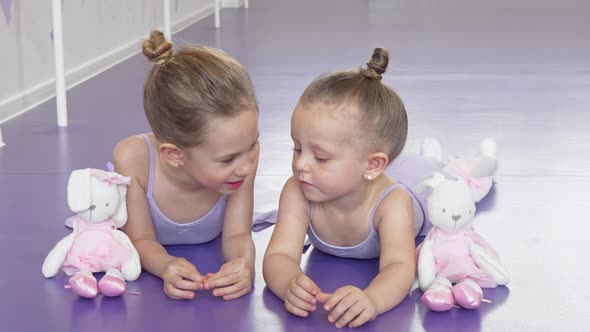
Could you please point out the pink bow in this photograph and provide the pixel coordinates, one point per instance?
(479, 187)
(110, 177)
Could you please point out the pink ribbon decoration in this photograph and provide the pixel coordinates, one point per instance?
(479, 187)
(110, 177)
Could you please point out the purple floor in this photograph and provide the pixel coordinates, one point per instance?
(518, 71)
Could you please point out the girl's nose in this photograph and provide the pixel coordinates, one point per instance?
(300, 164)
(245, 168)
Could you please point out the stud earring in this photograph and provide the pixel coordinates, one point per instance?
(369, 178)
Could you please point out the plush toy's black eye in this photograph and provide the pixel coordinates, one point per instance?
(469, 211)
(107, 204)
(444, 210)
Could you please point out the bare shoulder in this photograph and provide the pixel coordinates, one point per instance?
(292, 185)
(131, 150)
(292, 193)
(394, 223)
(396, 207)
(292, 222)
(293, 205)
(131, 157)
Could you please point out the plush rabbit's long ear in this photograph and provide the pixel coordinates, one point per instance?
(429, 181)
(480, 187)
(79, 198)
(120, 216)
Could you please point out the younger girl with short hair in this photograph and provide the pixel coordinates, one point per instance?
(347, 128)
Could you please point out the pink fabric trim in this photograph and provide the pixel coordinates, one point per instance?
(452, 258)
(95, 248)
(480, 187)
(110, 177)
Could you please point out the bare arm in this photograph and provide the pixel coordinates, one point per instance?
(237, 225)
(131, 158)
(180, 277)
(397, 263)
(234, 278)
(352, 306)
(283, 254)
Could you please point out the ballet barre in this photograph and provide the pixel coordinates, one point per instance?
(58, 51)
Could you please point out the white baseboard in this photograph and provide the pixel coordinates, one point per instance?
(40, 93)
(1, 140)
(232, 3)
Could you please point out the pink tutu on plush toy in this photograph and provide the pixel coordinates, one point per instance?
(454, 261)
(96, 244)
(95, 248)
(452, 258)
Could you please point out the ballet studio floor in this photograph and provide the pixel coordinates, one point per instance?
(517, 71)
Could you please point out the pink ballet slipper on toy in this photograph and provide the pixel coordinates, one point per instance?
(468, 295)
(438, 298)
(112, 286)
(83, 285)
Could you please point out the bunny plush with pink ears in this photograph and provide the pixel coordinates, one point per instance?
(96, 245)
(454, 261)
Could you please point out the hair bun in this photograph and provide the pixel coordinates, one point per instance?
(157, 49)
(377, 65)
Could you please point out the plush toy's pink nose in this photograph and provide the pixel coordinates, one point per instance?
(456, 217)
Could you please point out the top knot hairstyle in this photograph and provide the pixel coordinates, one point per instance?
(383, 120)
(377, 66)
(157, 49)
(187, 88)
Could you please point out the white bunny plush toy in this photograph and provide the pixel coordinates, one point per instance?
(479, 167)
(452, 252)
(96, 244)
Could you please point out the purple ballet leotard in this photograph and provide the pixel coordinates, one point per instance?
(168, 232)
(371, 246)
(408, 170)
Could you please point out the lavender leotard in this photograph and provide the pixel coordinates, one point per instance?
(168, 232)
(408, 169)
(370, 247)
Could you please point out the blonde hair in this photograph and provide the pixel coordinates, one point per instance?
(383, 117)
(187, 88)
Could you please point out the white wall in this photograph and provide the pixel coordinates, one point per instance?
(97, 35)
(232, 3)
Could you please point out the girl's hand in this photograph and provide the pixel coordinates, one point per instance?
(233, 280)
(348, 305)
(300, 297)
(181, 279)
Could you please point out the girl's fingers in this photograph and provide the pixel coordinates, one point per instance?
(333, 300)
(308, 285)
(349, 315)
(361, 319)
(188, 272)
(221, 281)
(298, 302)
(342, 306)
(226, 269)
(323, 297)
(303, 294)
(178, 294)
(236, 295)
(230, 289)
(185, 284)
(295, 310)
